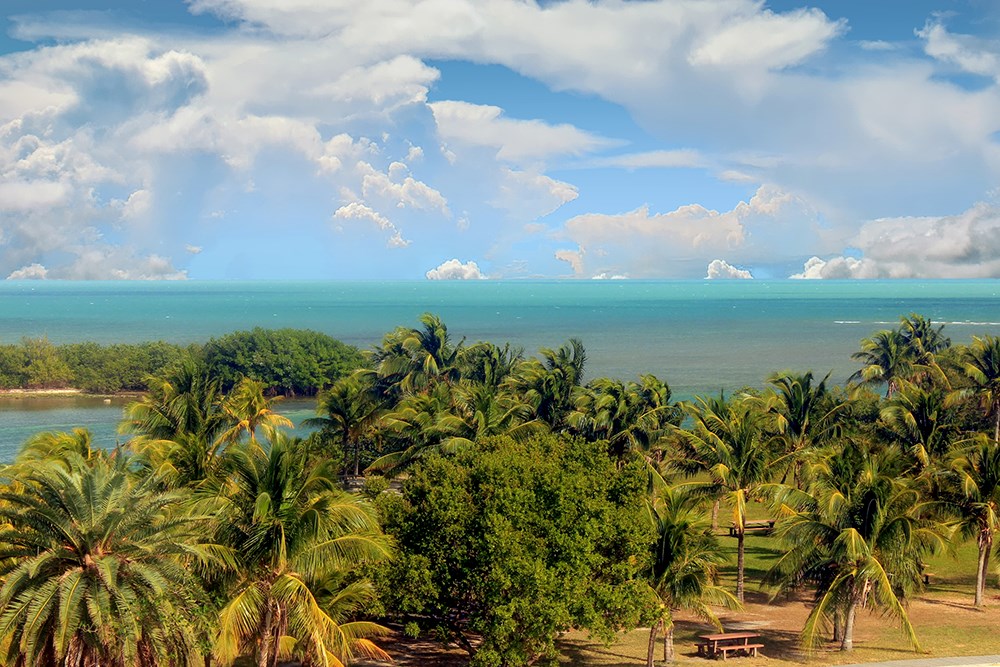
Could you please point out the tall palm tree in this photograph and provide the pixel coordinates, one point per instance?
(292, 530)
(489, 364)
(920, 334)
(248, 411)
(972, 491)
(415, 358)
(420, 424)
(804, 413)
(981, 367)
(349, 410)
(887, 357)
(176, 426)
(92, 565)
(730, 443)
(918, 420)
(549, 386)
(860, 531)
(631, 416)
(685, 564)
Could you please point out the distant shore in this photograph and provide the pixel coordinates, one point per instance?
(60, 393)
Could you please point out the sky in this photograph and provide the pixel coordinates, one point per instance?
(500, 139)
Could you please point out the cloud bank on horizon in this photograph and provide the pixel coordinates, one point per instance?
(462, 139)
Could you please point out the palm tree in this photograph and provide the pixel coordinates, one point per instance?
(248, 410)
(59, 446)
(291, 530)
(630, 416)
(419, 425)
(922, 337)
(415, 358)
(685, 563)
(973, 493)
(488, 364)
(918, 419)
(982, 369)
(731, 444)
(860, 532)
(549, 386)
(177, 425)
(350, 411)
(92, 564)
(804, 413)
(887, 357)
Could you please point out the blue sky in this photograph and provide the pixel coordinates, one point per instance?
(466, 139)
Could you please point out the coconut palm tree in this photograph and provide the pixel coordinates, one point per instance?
(981, 367)
(420, 424)
(92, 565)
(350, 411)
(685, 563)
(413, 359)
(176, 426)
(248, 411)
(729, 442)
(489, 364)
(918, 420)
(886, 358)
(859, 531)
(972, 491)
(631, 416)
(922, 337)
(292, 530)
(804, 413)
(549, 386)
(59, 446)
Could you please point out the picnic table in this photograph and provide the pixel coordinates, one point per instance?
(723, 643)
(763, 525)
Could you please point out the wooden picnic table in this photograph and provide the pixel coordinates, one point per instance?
(763, 525)
(722, 643)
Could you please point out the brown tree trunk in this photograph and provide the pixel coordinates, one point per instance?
(847, 643)
(651, 647)
(715, 516)
(266, 638)
(985, 544)
(668, 643)
(838, 622)
(740, 535)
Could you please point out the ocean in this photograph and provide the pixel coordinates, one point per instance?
(700, 336)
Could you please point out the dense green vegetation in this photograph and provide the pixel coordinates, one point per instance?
(289, 362)
(524, 500)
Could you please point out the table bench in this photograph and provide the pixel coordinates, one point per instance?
(763, 525)
(725, 643)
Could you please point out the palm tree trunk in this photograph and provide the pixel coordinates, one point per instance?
(651, 647)
(715, 516)
(266, 636)
(856, 595)
(740, 535)
(668, 643)
(847, 643)
(838, 621)
(985, 544)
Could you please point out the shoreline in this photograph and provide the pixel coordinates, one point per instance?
(28, 394)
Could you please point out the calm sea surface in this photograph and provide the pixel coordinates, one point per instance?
(701, 336)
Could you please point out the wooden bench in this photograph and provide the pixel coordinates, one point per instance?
(927, 577)
(765, 526)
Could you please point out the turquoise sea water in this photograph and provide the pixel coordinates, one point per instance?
(701, 336)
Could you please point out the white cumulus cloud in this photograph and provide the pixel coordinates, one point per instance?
(31, 272)
(719, 269)
(454, 269)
